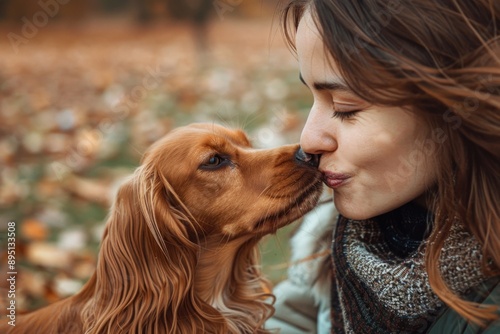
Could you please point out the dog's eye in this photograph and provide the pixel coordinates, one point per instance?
(214, 162)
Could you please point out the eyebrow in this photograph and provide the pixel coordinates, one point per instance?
(336, 86)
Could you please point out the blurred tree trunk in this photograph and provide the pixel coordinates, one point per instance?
(195, 10)
(3, 9)
(197, 13)
(143, 11)
(15, 10)
(113, 6)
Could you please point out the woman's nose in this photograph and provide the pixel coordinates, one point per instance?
(318, 135)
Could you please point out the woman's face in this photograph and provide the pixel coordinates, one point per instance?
(372, 156)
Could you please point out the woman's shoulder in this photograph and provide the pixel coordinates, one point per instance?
(487, 293)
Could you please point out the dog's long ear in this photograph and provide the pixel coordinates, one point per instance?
(144, 277)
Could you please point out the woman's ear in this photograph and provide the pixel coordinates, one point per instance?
(145, 272)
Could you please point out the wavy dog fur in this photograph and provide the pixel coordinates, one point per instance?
(179, 253)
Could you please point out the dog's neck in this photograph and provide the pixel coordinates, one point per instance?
(215, 268)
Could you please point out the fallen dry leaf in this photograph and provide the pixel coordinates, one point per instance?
(48, 255)
(34, 230)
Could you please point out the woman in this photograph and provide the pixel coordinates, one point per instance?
(406, 120)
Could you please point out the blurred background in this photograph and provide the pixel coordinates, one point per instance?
(87, 86)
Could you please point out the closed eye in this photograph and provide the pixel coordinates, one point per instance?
(342, 115)
(345, 110)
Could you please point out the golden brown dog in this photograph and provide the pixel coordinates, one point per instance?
(179, 253)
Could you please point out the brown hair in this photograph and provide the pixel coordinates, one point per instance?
(442, 58)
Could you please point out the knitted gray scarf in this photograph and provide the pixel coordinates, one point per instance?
(380, 284)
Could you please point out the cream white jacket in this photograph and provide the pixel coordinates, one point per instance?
(303, 299)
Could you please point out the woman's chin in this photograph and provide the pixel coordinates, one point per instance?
(355, 216)
(353, 211)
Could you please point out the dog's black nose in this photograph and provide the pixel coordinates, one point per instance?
(309, 159)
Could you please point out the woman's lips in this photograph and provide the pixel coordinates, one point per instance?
(335, 180)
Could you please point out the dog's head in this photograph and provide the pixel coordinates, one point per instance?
(227, 187)
(200, 187)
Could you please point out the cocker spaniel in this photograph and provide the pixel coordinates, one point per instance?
(179, 253)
